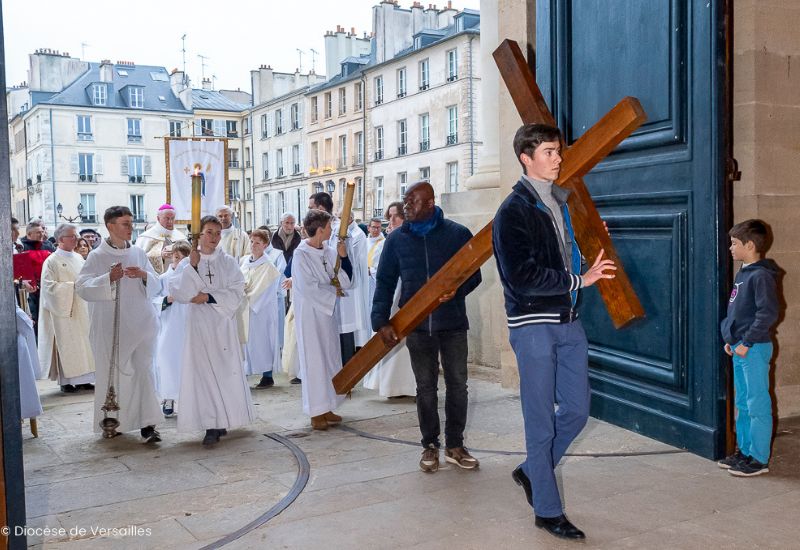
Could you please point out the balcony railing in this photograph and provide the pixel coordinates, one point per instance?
(401, 94)
(295, 169)
(424, 86)
(452, 139)
(402, 150)
(280, 171)
(233, 134)
(85, 136)
(139, 218)
(378, 100)
(86, 177)
(233, 164)
(89, 218)
(378, 155)
(452, 77)
(424, 145)
(136, 179)
(266, 175)
(134, 138)
(377, 212)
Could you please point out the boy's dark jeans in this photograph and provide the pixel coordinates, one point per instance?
(425, 349)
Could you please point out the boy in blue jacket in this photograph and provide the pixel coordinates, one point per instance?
(747, 332)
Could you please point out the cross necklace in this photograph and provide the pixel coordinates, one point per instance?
(208, 273)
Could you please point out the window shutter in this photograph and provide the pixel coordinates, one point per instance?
(198, 130)
(98, 164)
(74, 162)
(219, 128)
(148, 166)
(123, 165)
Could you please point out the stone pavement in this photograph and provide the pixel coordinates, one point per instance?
(366, 493)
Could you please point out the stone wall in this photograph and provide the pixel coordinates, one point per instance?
(766, 120)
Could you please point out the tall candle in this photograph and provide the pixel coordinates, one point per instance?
(196, 209)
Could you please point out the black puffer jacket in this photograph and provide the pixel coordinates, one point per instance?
(414, 260)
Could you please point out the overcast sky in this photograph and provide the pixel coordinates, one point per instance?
(236, 35)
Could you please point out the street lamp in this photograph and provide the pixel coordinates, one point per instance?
(70, 219)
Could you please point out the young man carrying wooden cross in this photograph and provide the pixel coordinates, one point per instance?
(539, 265)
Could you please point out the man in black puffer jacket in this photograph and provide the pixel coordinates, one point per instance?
(414, 253)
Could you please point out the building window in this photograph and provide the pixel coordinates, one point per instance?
(265, 165)
(266, 207)
(359, 193)
(424, 132)
(175, 128)
(99, 94)
(378, 90)
(279, 163)
(315, 155)
(295, 159)
(89, 210)
(342, 102)
(342, 163)
(233, 158)
(264, 127)
(233, 190)
(452, 125)
(359, 96)
(328, 105)
(452, 177)
(207, 126)
(358, 160)
(231, 129)
(452, 65)
(424, 74)
(85, 128)
(278, 122)
(135, 169)
(425, 173)
(379, 143)
(402, 183)
(294, 114)
(134, 130)
(136, 97)
(342, 185)
(247, 157)
(137, 208)
(379, 195)
(401, 82)
(402, 137)
(247, 123)
(314, 109)
(85, 166)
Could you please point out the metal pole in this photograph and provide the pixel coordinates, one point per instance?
(12, 484)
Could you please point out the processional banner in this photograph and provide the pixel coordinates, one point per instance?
(186, 156)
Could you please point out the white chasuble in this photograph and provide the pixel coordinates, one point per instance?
(138, 330)
(355, 306)
(64, 348)
(234, 242)
(259, 314)
(214, 392)
(169, 352)
(318, 347)
(153, 242)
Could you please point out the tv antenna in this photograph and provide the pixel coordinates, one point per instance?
(84, 45)
(314, 54)
(202, 66)
(300, 53)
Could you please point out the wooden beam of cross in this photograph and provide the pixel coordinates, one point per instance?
(577, 161)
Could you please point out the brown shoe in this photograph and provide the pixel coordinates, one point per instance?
(332, 418)
(319, 422)
(430, 459)
(461, 458)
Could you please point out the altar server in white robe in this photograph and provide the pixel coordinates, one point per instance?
(375, 240)
(393, 376)
(214, 394)
(234, 241)
(260, 319)
(29, 368)
(315, 302)
(117, 268)
(169, 351)
(157, 241)
(64, 349)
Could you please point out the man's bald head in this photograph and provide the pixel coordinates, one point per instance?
(419, 203)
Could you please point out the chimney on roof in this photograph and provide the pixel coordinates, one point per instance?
(106, 71)
(207, 84)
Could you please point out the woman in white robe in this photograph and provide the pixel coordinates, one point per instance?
(169, 352)
(260, 313)
(214, 394)
(137, 285)
(315, 303)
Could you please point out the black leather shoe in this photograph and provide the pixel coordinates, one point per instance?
(561, 527)
(522, 480)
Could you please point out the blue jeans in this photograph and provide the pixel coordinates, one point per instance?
(425, 350)
(753, 403)
(553, 362)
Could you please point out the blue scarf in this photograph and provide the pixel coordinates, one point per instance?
(422, 228)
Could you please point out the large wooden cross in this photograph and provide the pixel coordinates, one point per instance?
(618, 295)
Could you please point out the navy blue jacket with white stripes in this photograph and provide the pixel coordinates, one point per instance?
(537, 286)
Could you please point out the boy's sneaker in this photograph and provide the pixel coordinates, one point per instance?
(731, 460)
(748, 468)
(430, 459)
(150, 435)
(168, 408)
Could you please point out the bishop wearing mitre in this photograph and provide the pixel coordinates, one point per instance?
(157, 241)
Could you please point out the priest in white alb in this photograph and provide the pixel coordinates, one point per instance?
(375, 240)
(64, 349)
(157, 240)
(214, 393)
(234, 241)
(117, 270)
(315, 304)
(261, 322)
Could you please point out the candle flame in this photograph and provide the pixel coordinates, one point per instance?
(197, 171)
